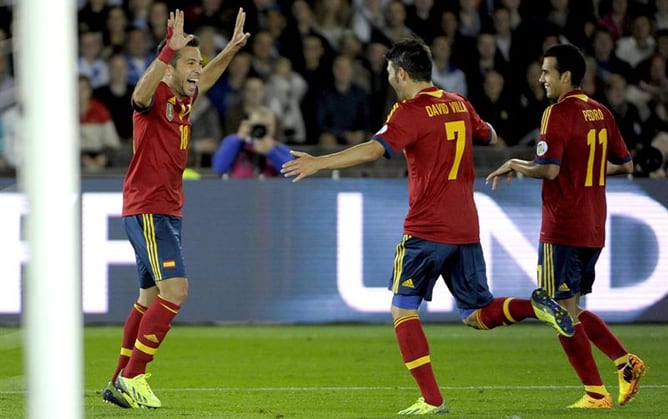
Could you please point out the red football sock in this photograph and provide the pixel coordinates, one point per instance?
(415, 352)
(600, 335)
(504, 311)
(129, 336)
(152, 330)
(578, 350)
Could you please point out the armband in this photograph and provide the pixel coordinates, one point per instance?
(166, 54)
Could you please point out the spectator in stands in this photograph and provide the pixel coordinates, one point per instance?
(471, 21)
(158, 13)
(210, 42)
(423, 17)
(263, 54)
(116, 97)
(497, 107)
(226, 93)
(603, 51)
(98, 137)
(91, 64)
(485, 58)
(445, 74)
(461, 45)
(639, 45)
(11, 139)
(288, 88)
(92, 17)
(381, 96)
(591, 84)
(332, 17)
(276, 24)
(115, 33)
(660, 48)
(614, 17)
(351, 47)
(652, 88)
(516, 19)
(368, 15)
(395, 28)
(625, 112)
(253, 150)
(206, 132)
(570, 22)
(253, 96)
(532, 103)
(343, 109)
(138, 53)
(660, 16)
(7, 83)
(301, 26)
(511, 43)
(138, 11)
(317, 72)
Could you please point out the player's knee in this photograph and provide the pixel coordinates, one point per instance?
(175, 291)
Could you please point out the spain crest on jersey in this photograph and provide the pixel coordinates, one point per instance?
(169, 112)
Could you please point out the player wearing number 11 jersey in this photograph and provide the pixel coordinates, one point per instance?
(435, 130)
(579, 146)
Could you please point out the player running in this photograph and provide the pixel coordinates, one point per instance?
(435, 130)
(579, 145)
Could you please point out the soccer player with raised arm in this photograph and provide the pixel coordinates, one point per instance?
(579, 146)
(435, 130)
(153, 199)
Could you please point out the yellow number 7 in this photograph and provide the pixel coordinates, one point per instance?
(456, 130)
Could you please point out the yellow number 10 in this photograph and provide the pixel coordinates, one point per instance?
(456, 131)
(592, 142)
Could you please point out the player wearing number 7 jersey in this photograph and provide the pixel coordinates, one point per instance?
(579, 145)
(435, 130)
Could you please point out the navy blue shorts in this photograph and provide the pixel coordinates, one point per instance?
(564, 271)
(418, 264)
(157, 243)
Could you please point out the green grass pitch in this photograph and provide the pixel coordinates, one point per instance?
(351, 371)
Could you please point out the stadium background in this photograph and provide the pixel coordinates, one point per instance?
(269, 251)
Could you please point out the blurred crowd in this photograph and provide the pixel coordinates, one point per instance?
(319, 66)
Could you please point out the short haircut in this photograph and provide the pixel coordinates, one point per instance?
(569, 58)
(414, 56)
(192, 43)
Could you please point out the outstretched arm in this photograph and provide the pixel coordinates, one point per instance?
(214, 69)
(306, 165)
(150, 80)
(526, 168)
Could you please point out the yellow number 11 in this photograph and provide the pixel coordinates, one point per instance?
(592, 142)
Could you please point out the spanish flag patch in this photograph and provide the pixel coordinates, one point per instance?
(169, 263)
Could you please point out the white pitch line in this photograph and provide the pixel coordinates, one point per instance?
(352, 388)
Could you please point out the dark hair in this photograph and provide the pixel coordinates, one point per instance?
(569, 58)
(414, 56)
(192, 43)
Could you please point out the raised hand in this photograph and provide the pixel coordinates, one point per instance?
(175, 37)
(239, 37)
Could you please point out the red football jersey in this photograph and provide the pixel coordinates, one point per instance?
(161, 136)
(581, 136)
(435, 129)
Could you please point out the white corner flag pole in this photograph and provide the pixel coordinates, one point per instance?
(52, 315)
